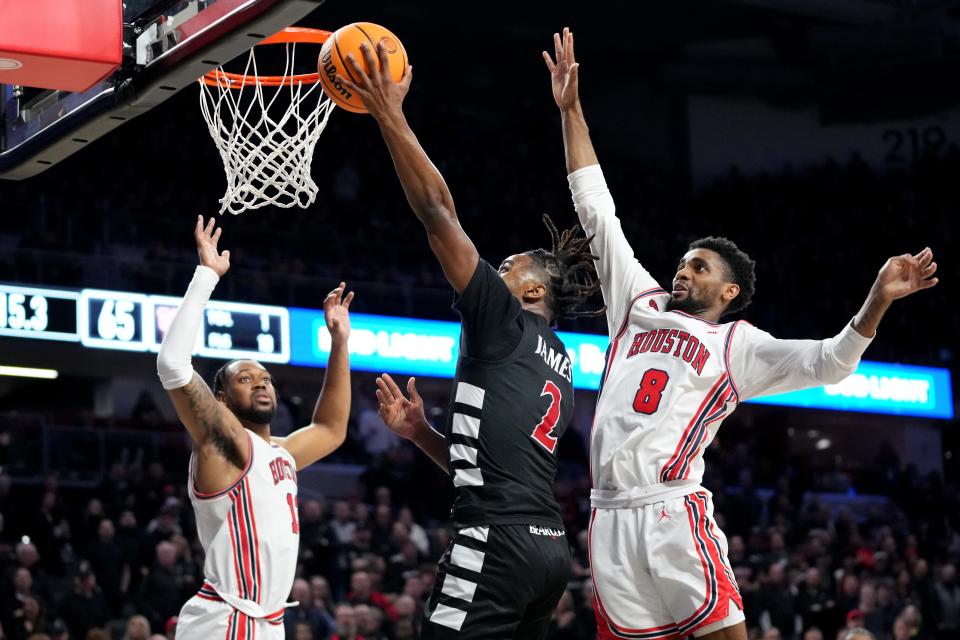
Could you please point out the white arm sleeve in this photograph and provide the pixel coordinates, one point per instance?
(762, 365)
(173, 362)
(621, 276)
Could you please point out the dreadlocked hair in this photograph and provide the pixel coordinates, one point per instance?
(569, 270)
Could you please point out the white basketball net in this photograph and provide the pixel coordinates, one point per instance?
(266, 153)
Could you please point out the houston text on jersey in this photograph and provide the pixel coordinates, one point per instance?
(663, 340)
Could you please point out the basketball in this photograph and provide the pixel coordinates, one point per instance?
(347, 40)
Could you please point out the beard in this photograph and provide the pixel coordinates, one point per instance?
(691, 304)
(254, 415)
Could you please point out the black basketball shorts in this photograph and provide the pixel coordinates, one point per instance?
(498, 582)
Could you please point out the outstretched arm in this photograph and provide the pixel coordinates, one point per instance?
(328, 428)
(899, 277)
(762, 365)
(222, 444)
(406, 419)
(425, 188)
(622, 277)
(565, 79)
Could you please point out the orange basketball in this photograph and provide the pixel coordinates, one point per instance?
(346, 40)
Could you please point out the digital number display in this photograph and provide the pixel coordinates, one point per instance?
(102, 319)
(231, 329)
(236, 330)
(38, 313)
(113, 320)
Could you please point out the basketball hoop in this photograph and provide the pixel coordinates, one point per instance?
(266, 146)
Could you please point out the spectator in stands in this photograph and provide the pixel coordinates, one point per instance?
(376, 440)
(948, 600)
(84, 608)
(361, 592)
(776, 597)
(28, 558)
(110, 565)
(342, 525)
(914, 621)
(306, 612)
(417, 534)
(814, 602)
(901, 629)
(27, 621)
(405, 629)
(85, 530)
(346, 624)
(322, 600)
(849, 596)
(50, 531)
(402, 565)
(13, 602)
(302, 631)
(886, 610)
(166, 523)
(138, 628)
(162, 592)
(369, 622)
(316, 539)
(382, 529)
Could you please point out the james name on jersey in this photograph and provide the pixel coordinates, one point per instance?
(556, 360)
(663, 341)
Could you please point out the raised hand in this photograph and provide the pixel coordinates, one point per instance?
(564, 72)
(207, 240)
(402, 416)
(902, 275)
(381, 95)
(336, 312)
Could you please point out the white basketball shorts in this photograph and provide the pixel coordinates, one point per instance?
(661, 571)
(206, 617)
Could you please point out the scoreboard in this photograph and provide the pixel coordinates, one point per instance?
(137, 322)
(101, 319)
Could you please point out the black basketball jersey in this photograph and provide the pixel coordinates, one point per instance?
(512, 399)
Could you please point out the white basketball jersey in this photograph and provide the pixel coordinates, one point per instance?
(672, 378)
(250, 532)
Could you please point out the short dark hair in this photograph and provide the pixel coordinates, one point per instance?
(568, 270)
(740, 268)
(220, 378)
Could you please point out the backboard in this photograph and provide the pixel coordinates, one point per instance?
(167, 45)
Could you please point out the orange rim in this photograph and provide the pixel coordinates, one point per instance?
(294, 35)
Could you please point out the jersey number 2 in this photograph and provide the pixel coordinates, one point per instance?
(542, 431)
(648, 396)
(292, 502)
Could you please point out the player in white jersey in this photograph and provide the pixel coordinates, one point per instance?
(243, 481)
(673, 373)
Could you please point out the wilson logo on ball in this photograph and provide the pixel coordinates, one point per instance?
(389, 44)
(331, 71)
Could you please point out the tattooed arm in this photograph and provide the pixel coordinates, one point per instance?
(221, 443)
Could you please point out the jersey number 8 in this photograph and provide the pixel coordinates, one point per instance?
(651, 389)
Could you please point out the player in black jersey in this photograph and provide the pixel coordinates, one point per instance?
(512, 399)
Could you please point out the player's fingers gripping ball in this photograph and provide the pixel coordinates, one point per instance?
(347, 40)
